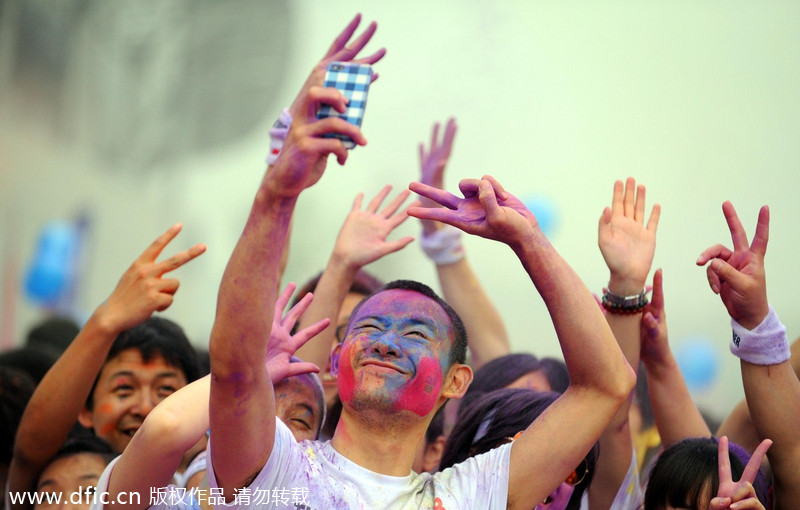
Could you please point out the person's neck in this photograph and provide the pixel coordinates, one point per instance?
(386, 444)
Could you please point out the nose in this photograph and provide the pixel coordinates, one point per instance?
(144, 404)
(386, 345)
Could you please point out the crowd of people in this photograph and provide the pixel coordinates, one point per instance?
(366, 394)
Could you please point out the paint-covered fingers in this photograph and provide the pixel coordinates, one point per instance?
(304, 335)
(439, 196)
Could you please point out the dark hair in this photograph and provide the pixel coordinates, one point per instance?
(34, 362)
(557, 374)
(435, 427)
(85, 443)
(16, 388)
(458, 349)
(682, 471)
(53, 334)
(363, 283)
(157, 336)
(499, 373)
(493, 417)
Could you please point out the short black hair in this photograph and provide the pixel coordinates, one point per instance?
(16, 389)
(458, 348)
(499, 373)
(156, 336)
(682, 471)
(86, 443)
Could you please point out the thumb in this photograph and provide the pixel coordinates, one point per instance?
(727, 272)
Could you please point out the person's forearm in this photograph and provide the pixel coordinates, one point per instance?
(241, 391)
(54, 407)
(773, 397)
(616, 442)
(155, 452)
(676, 415)
(485, 329)
(333, 286)
(589, 348)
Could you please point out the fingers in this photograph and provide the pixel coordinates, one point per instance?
(713, 280)
(345, 35)
(638, 207)
(169, 285)
(720, 271)
(754, 464)
(357, 202)
(373, 205)
(297, 310)
(349, 51)
(719, 503)
(324, 95)
(434, 138)
(154, 250)
(655, 215)
(336, 125)
(399, 218)
(762, 232)
(723, 461)
(629, 197)
(617, 206)
(499, 190)
(487, 198)
(449, 136)
(398, 245)
(309, 332)
(371, 59)
(437, 195)
(179, 259)
(435, 214)
(717, 251)
(283, 300)
(657, 300)
(395, 204)
(738, 235)
(300, 368)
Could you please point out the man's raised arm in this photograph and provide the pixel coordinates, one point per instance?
(242, 405)
(600, 378)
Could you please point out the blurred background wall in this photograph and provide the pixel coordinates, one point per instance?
(125, 117)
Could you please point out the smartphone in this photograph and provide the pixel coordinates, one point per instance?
(353, 81)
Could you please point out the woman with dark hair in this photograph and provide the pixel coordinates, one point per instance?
(690, 474)
(496, 418)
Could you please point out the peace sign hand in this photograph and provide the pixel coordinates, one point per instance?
(741, 494)
(141, 290)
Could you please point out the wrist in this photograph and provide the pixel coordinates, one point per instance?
(764, 344)
(341, 264)
(102, 324)
(624, 286)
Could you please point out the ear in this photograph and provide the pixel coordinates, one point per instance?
(433, 454)
(85, 417)
(335, 360)
(458, 380)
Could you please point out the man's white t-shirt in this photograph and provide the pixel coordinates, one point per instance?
(312, 475)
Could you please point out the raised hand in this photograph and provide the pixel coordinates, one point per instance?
(304, 156)
(486, 210)
(363, 236)
(626, 243)
(282, 344)
(655, 343)
(141, 290)
(738, 494)
(738, 276)
(340, 51)
(432, 163)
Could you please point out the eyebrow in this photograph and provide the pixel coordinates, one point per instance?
(406, 321)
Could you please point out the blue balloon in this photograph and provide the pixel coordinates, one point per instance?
(545, 212)
(52, 266)
(698, 360)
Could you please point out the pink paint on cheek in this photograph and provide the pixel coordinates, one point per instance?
(421, 394)
(346, 377)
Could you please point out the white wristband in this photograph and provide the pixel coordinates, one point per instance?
(278, 134)
(443, 246)
(766, 344)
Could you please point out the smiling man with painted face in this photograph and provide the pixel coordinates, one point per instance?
(402, 357)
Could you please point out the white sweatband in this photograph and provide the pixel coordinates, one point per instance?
(443, 246)
(766, 344)
(277, 135)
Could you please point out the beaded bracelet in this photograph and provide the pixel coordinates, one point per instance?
(614, 303)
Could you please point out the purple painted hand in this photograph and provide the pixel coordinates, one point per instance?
(282, 344)
(486, 210)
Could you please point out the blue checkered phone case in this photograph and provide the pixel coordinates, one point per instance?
(353, 81)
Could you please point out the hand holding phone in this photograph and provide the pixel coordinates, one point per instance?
(352, 80)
